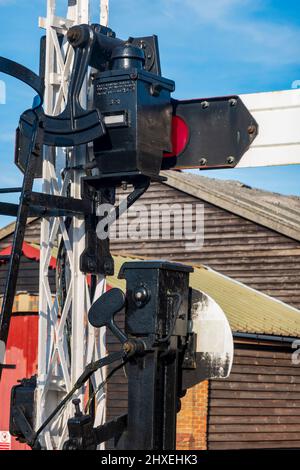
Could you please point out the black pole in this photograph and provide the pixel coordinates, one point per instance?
(152, 403)
(34, 148)
(157, 315)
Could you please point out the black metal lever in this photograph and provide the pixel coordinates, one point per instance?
(75, 126)
(9, 67)
(103, 311)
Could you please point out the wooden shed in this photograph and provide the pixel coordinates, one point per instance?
(251, 237)
(258, 406)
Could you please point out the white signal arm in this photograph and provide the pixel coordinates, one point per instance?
(278, 116)
(104, 12)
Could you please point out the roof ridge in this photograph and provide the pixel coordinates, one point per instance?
(260, 211)
(10, 228)
(236, 183)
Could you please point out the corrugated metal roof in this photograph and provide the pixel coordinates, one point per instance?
(247, 310)
(274, 211)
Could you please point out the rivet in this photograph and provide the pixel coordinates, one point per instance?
(205, 104)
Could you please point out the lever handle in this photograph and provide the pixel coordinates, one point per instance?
(76, 403)
(80, 67)
(103, 311)
(75, 125)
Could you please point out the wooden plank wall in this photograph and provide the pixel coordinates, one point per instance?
(117, 385)
(258, 406)
(247, 252)
(243, 250)
(32, 235)
(28, 280)
(250, 253)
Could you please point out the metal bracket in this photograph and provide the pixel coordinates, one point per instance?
(96, 258)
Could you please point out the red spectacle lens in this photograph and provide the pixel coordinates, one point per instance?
(180, 137)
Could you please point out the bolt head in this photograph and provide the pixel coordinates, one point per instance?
(141, 296)
(128, 347)
(134, 76)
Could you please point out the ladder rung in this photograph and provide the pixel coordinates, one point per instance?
(10, 190)
(8, 366)
(4, 257)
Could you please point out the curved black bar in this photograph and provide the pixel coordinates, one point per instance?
(25, 75)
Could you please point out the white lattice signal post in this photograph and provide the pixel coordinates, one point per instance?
(66, 340)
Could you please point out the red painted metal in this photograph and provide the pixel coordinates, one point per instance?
(21, 351)
(30, 252)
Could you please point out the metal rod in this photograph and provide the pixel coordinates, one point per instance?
(10, 190)
(16, 252)
(68, 204)
(261, 337)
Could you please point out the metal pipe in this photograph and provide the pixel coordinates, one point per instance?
(10, 190)
(262, 337)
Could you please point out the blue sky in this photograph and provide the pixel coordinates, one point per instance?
(209, 47)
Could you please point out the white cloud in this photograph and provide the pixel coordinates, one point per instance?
(219, 10)
(7, 137)
(215, 11)
(255, 38)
